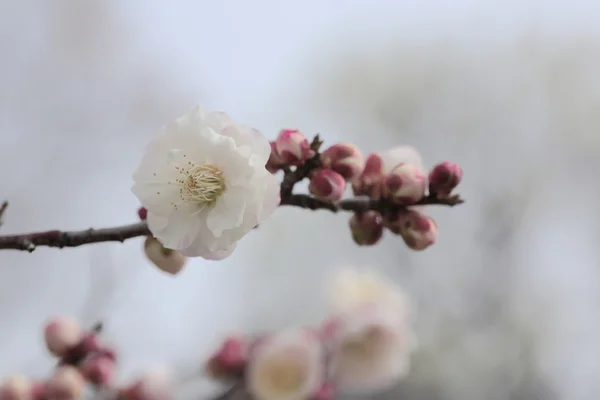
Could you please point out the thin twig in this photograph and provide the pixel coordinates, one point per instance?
(3, 208)
(60, 239)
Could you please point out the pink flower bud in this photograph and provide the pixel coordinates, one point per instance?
(275, 162)
(443, 178)
(151, 386)
(230, 359)
(345, 159)
(328, 185)
(292, 147)
(142, 213)
(405, 184)
(167, 260)
(16, 387)
(371, 180)
(67, 383)
(62, 334)
(366, 227)
(98, 369)
(325, 392)
(418, 231)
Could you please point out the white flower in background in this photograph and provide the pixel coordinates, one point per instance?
(401, 154)
(370, 333)
(204, 184)
(286, 365)
(351, 288)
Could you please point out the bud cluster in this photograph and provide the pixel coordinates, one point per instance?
(394, 178)
(82, 360)
(397, 178)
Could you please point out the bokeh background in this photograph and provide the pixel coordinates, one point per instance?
(507, 300)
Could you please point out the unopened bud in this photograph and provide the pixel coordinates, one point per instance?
(142, 213)
(443, 178)
(167, 260)
(345, 159)
(405, 184)
(371, 180)
(16, 387)
(231, 358)
(366, 227)
(151, 386)
(67, 383)
(418, 231)
(292, 147)
(62, 334)
(98, 369)
(328, 185)
(275, 162)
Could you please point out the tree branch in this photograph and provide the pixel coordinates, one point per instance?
(60, 239)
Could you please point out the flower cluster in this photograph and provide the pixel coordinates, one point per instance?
(362, 348)
(207, 181)
(83, 360)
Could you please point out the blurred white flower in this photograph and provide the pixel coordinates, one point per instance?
(351, 288)
(287, 365)
(204, 184)
(370, 333)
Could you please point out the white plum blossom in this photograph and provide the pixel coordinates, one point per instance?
(287, 365)
(370, 333)
(205, 185)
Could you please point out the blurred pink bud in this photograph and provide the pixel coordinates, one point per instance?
(142, 213)
(328, 185)
(345, 159)
(371, 180)
(275, 162)
(67, 383)
(16, 387)
(91, 344)
(151, 386)
(167, 260)
(98, 369)
(443, 178)
(292, 147)
(325, 392)
(366, 227)
(62, 334)
(230, 359)
(405, 184)
(418, 231)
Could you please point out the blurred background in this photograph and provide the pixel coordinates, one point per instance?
(507, 300)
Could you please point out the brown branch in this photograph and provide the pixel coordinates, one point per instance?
(60, 239)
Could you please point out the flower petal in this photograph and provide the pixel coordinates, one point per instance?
(228, 213)
(180, 230)
(196, 250)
